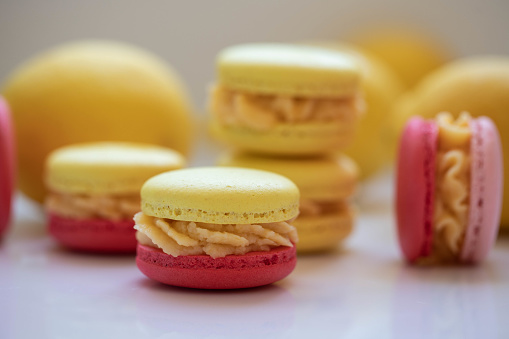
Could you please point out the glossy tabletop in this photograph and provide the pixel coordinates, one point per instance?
(362, 290)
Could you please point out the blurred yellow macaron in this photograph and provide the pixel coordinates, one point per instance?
(93, 91)
(285, 99)
(325, 183)
(409, 52)
(478, 85)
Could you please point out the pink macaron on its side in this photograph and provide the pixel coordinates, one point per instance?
(7, 165)
(418, 187)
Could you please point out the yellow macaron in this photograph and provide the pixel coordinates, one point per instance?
(326, 183)
(94, 192)
(89, 91)
(411, 53)
(285, 99)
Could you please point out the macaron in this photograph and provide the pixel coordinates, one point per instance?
(285, 99)
(6, 165)
(326, 183)
(217, 228)
(94, 192)
(449, 189)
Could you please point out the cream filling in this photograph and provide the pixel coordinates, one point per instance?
(178, 238)
(452, 186)
(83, 206)
(264, 112)
(310, 207)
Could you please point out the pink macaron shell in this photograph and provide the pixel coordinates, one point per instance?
(486, 191)
(416, 187)
(231, 272)
(94, 235)
(7, 165)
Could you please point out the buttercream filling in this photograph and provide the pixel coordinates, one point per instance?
(452, 187)
(176, 238)
(264, 112)
(84, 206)
(311, 207)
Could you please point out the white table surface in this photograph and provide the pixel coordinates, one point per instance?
(363, 290)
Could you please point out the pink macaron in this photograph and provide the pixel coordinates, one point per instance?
(7, 166)
(449, 189)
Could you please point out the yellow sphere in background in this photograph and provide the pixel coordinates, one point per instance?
(479, 85)
(93, 91)
(409, 53)
(372, 145)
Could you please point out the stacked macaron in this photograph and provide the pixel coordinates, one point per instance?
(94, 192)
(290, 109)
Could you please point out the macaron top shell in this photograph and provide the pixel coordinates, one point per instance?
(486, 190)
(415, 189)
(107, 167)
(332, 177)
(221, 195)
(288, 70)
(6, 164)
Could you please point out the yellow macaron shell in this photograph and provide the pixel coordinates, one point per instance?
(284, 69)
(221, 195)
(107, 167)
(411, 53)
(286, 139)
(321, 233)
(318, 178)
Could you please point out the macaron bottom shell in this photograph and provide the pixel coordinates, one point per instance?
(322, 233)
(287, 139)
(94, 235)
(204, 272)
